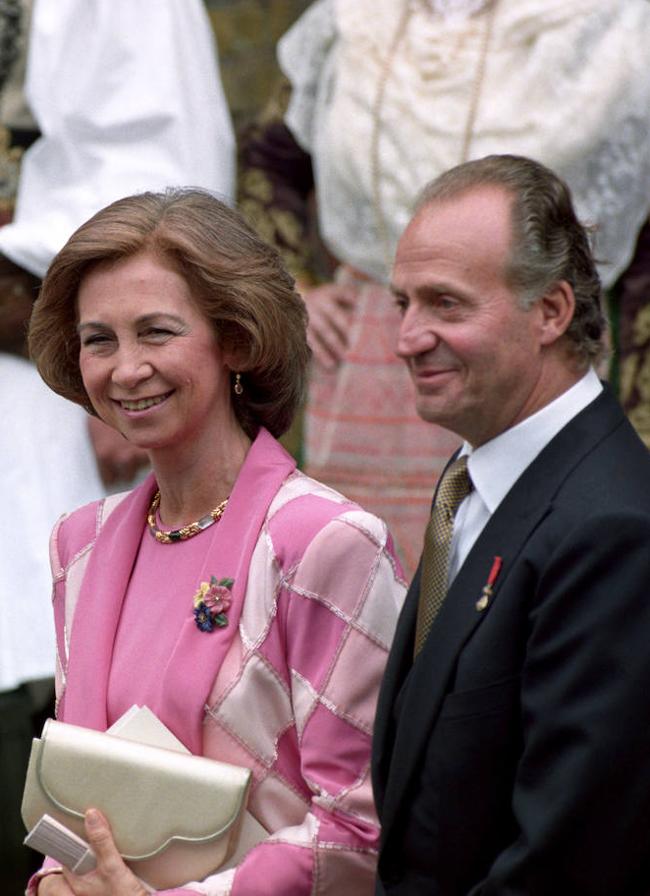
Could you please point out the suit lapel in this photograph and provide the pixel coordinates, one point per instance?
(398, 666)
(99, 606)
(198, 655)
(428, 679)
(422, 686)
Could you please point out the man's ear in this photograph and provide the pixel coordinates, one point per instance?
(557, 308)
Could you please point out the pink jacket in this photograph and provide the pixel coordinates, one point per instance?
(288, 688)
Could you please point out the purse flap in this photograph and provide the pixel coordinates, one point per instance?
(150, 795)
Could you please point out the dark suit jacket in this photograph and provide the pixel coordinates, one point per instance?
(513, 757)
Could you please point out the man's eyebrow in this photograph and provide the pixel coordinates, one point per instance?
(431, 290)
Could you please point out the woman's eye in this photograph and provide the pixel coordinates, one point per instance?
(95, 339)
(157, 332)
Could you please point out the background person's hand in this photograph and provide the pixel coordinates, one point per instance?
(117, 459)
(330, 310)
(111, 877)
(18, 290)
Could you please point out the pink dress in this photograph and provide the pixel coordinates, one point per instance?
(288, 687)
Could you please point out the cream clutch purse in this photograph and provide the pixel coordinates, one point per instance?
(175, 817)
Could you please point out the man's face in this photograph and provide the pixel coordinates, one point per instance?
(474, 354)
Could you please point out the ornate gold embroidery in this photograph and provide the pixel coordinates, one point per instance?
(256, 183)
(640, 419)
(643, 380)
(627, 376)
(10, 158)
(259, 219)
(288, 226)
(641, 326)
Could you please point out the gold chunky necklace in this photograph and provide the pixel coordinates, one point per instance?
(185, 532)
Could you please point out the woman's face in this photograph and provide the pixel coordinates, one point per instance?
(149, 358)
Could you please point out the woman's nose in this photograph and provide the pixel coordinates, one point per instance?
(131, 368)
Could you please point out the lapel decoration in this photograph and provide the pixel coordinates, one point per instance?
(211, 604)
(488, 588)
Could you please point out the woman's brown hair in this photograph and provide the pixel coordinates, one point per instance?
(236, 279)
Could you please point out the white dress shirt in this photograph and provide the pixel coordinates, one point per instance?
(495, 466)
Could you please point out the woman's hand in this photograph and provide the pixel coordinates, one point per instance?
(330, 311)
(111, 877)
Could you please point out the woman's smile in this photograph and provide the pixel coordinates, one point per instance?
(142, 404)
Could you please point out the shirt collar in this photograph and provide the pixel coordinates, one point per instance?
(496, 466)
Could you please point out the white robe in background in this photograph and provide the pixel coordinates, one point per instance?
(127, 96)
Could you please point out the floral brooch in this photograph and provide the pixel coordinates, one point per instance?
(211, 603)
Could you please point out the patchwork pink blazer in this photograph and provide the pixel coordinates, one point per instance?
(288, 688)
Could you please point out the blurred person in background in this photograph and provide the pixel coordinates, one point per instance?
(46, 463)
(386, 95)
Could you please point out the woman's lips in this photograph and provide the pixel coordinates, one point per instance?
(142, 404)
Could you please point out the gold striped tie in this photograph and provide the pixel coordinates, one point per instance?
(455, 486)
